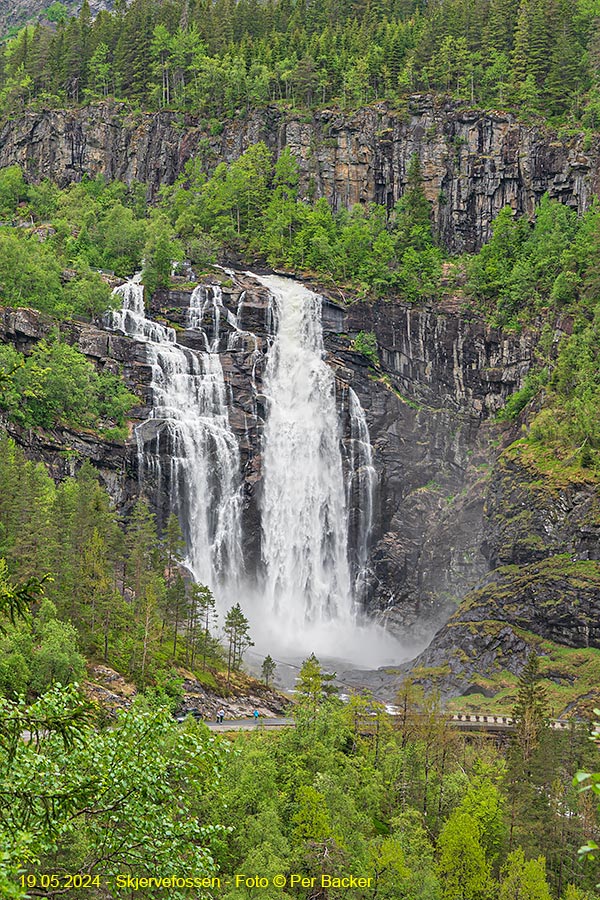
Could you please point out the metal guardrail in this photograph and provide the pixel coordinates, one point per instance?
(505, 722)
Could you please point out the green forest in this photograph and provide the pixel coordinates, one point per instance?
(93, 798)
(407, 805)
(222, 58)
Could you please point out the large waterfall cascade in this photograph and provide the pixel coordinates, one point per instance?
(189, 433)
(317, 492)
(314, 552)
(304, 513)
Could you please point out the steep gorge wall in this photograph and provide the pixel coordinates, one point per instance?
(474, 163)
(429, 407)
(16, 13)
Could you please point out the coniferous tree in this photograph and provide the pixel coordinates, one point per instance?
(237, 630)
(203, 614)
(268, 669)
(412, 213)
(530, 712)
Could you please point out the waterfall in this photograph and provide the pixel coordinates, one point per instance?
(304, 511)
(317, 500)
(361, 492)
(187, 448)
(131, 318)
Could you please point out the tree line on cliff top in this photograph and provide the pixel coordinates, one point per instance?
(220, 57)
(54, 241)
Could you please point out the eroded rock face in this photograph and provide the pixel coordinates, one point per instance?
(473, 163)
(529, 518)
(498, 625)
(447, 513)
(428, 407)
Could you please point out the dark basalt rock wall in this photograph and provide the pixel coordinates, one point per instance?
(428, 407)
(473, 163)
(497, 625)
(540, 535)
(455, 516)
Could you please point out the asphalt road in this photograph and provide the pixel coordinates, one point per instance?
(248, 724)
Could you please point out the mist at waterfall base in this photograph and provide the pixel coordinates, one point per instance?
(307, 595)
(308, 601)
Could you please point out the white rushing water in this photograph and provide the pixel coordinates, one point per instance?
(311, 592)
(304, 516)
(361, 492)
(189, 434)
(308, 596)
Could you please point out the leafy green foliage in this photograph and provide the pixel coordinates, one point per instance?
(517, 402)
(110, 594)
(346, 791)
(365, 342)
(569, 420)
(525, 879)
(53, 242)
(252, 205)
(57, 385)
(102, 799)
(590, 781)
(463, 869)
(525, 269)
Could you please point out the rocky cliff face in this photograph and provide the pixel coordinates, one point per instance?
(540, 536)
(64, 450)
(428, 406)
(499, 544)
(474, 163)
(19, 12)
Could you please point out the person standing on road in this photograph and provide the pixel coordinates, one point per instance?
(256, 714)
(220, 716)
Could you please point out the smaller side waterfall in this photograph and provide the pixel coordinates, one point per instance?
(206, 301)
(131, 318)
(186, 448)
(362, 485)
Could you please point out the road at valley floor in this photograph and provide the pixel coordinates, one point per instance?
(249, 724)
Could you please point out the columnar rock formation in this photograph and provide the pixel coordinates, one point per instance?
(474, 163)
(427, 407)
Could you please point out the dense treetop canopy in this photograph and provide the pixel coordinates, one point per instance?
(221, 57)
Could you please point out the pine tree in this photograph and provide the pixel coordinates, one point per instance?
(176, 601)
(268, 669)
(530, 712)
(237, 629)
(502, 20)
(528, 762)
(141, 545)
(173, 547)
(203, 612)
(412, 213)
